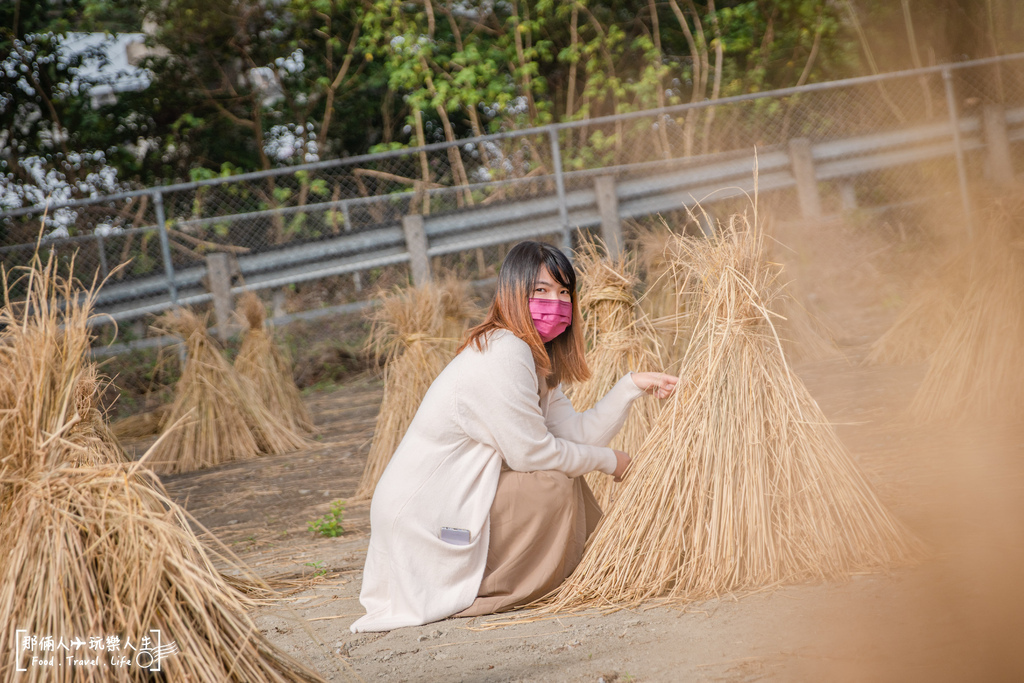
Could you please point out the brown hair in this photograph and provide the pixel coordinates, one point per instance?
(562, 358)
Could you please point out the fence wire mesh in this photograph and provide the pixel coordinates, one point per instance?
(332, 232)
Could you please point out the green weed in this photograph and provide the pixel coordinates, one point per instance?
(318, 566)
(330, 524)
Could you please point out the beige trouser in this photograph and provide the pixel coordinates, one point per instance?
(540, 522)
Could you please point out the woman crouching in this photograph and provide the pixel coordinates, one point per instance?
(483, 506)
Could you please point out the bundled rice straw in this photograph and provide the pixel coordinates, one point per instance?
(93, 547)
(458, 309)
(659, 301)
(264, 364)
(45, 382)
(618, 340)
(977, 367)
(91, 441)
(141, 425)
(230, 421)
(103, 551)
(928, 314)
(742, 483)
(407, 333)
(804, 336)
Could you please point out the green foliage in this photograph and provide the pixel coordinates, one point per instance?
(318, 567)
(330, 524)
(232, 78)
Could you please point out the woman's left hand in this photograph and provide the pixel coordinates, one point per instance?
(655, 383)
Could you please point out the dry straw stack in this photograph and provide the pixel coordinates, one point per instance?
(457, 309)
(930, 311)
(92, 437)
(408, 335)
(46, 385)
(742, 483)
(977, 368)
(659, 300)
(141, 425)
(265, 365)
(103, 550)
(90, 545)
(619, 339)
(804, 335)
(228, 420)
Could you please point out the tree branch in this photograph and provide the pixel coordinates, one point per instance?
(329, 105)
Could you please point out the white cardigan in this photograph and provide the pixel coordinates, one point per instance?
(483, 408)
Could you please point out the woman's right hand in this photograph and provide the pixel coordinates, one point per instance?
(622, 461)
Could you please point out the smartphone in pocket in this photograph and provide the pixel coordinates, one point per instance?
(455, 536)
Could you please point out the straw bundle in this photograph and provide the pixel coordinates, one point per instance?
(930, 311)
(230, 421)
(977, 367)
(45, 383)
(804, 335)
(92, 546)
(91, 441)
(104, 551)
(742, 483)
(659, 300)
(619, 339)
(407, 334)
(141, 425)
(264, 364)
(458, 309)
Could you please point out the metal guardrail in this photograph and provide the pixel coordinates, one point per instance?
(532, 203)
(480, 227)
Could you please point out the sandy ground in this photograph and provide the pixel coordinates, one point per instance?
(955, 616)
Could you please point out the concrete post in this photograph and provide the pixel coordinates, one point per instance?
(357, 279)
(416, 243)
(218, 281)
(481, 263)
(101, 249)
(997, 145)
(847, 195)
(277, 299)
(608, 209)
(806, 183)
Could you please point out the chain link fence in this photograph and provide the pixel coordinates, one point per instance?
(331, 232)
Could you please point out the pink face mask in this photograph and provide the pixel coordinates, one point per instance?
(550, 317)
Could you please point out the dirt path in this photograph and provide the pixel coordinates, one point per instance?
(955, 616)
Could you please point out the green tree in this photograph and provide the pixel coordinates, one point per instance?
(53, 141)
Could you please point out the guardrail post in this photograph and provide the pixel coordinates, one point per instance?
(958, 149)
(563, 207)
(102, 250)
(165, 245)
(218, 281)
(277, 299)
(997, 144)
(848, 195)
(608, 209)
(803, 171)
(357, 279)
(416, 243)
